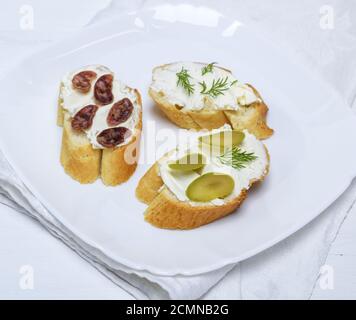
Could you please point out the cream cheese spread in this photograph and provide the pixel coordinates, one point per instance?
(74, 100)
(164, 79)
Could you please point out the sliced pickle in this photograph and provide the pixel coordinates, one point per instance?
(210, 186)
(223, 139)
(189, 162)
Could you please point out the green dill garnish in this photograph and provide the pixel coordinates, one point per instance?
(237, 158)
(217, 87)
(233, 82)
(183, 80)
(208, 68)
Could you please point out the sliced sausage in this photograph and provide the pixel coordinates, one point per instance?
(82, 81)
(83, 119)
(103, 89)
(112, 137)
(120, 112)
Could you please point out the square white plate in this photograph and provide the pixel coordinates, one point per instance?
(312, 151)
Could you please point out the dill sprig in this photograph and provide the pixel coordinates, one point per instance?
(217, 87)
(237, 158)
(183, 80)
(233, 82)
(208, 68)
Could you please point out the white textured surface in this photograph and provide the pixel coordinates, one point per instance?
(330, 52)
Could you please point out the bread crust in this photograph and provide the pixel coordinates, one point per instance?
(60, 110)
(118, 164)
(252, 117)
(85, 164)
(78, 158)
(166, 211)
(149, 185)
(174, 113)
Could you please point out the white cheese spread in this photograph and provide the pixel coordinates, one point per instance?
(237, 94)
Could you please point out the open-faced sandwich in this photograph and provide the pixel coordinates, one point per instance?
(205, 96)
(101, 119)
(204, 180)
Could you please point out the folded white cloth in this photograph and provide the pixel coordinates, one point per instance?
(289, 269)
(140, 284)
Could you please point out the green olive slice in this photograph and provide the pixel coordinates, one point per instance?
(223, 139)
(189, 162)
(210, 186)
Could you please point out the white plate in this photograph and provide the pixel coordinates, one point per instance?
(313, 149)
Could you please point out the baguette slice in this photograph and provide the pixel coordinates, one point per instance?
(252, 117)
(166, 211)
(119, 164)
(78, 158)
(85, 164)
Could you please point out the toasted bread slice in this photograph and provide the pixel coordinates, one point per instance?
(86, 164)
(118, 164)
(78, 158)
(251, 117)
(166, 211)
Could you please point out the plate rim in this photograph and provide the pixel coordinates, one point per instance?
(131, 264)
